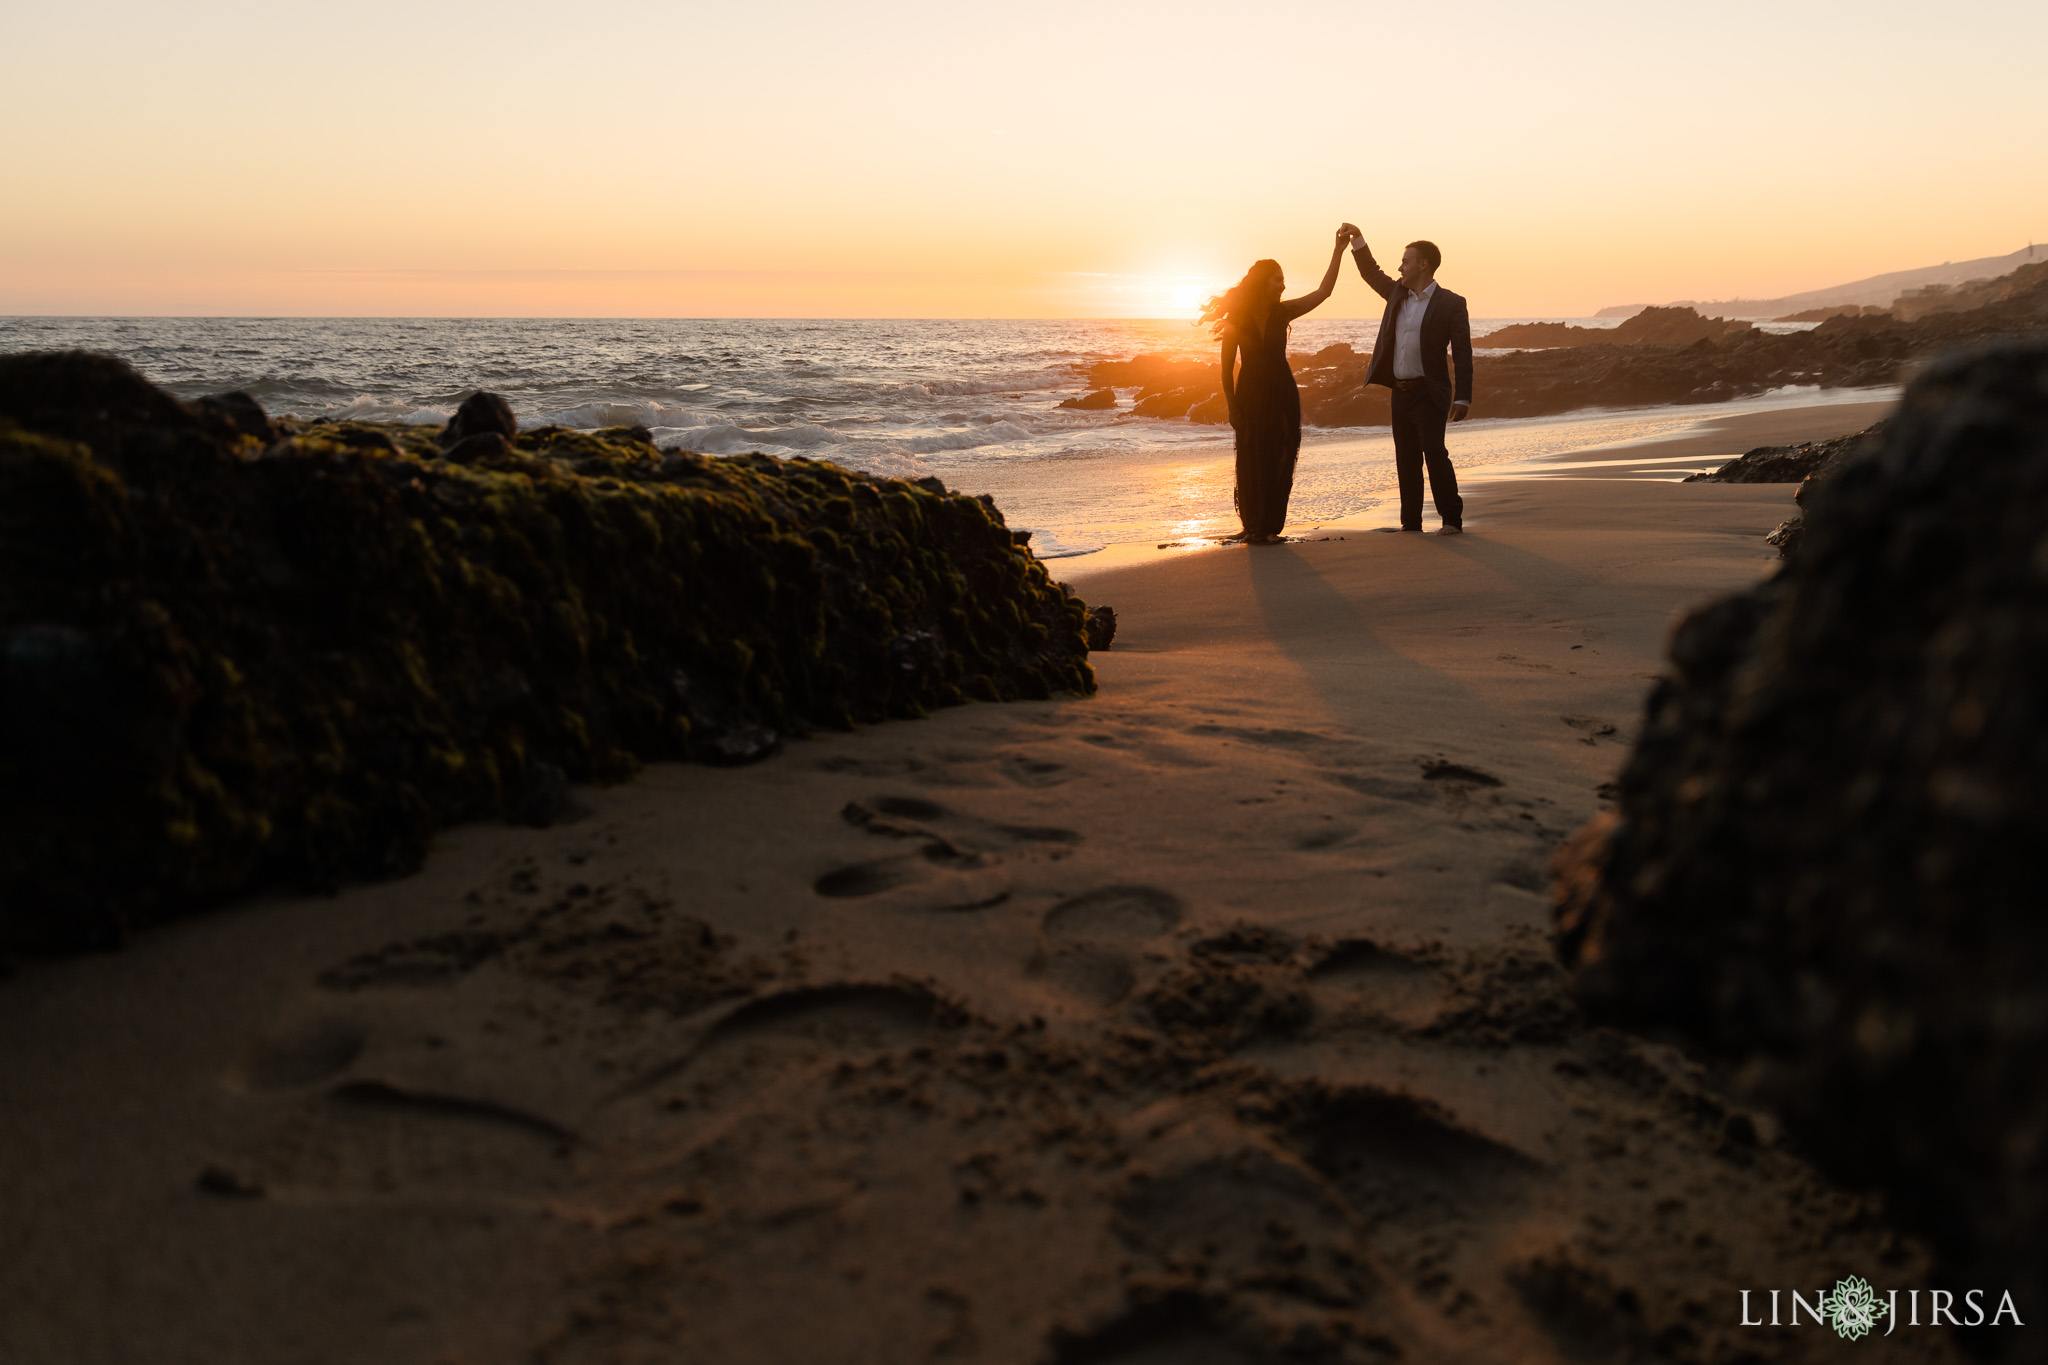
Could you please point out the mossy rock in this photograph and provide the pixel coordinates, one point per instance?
(226, 662)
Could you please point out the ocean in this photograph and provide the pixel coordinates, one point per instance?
(973, 402)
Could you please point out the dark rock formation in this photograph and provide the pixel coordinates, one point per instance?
(1175, 402)
(480, 445)
(1825, 864)
(1789, 464)
(224, 664)
(1099, 401)
(1101, 627)
(481, 413)
(1840, 310)
(1650, 327)
(238, 412)
(1332, 356)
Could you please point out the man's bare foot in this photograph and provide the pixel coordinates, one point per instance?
(1450, 530)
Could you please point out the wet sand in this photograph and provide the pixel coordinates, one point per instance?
(1209, 1019)
(1711, 444)
(1656, 443)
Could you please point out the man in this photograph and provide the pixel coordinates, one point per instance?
(1422, 318)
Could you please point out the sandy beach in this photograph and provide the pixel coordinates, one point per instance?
(1212, 1018)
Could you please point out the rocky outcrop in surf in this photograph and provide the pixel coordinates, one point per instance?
(1823, 865)
(1099, 401)
(237, 652)
(1790, 464)
(1650, 327)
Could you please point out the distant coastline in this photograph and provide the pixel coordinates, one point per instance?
(1877, 291)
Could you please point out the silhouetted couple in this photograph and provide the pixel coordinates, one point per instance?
(1422, 320)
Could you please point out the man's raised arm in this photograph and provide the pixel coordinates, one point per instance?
(1369, 269)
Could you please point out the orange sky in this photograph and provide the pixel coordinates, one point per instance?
(627, 158)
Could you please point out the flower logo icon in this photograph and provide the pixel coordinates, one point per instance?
(1852, 1308)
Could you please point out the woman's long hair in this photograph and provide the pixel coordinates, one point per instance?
(1245, 305)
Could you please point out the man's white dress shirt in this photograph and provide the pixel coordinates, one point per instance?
(1408, 330)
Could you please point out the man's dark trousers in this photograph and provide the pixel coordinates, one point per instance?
(1419, 441)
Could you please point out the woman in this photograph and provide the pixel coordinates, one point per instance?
(1265, 406)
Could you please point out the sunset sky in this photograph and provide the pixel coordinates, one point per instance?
(622, 158)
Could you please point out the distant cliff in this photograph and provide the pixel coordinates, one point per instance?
(1877, 291)
(1915, 304)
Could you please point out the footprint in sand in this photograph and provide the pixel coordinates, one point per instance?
(1268, 737)
(1402, 1161)
(1027, 771)
(1457, 782)
(1328, 836)
(1240, 1209)
(325, 1113)
(1178, 1331)
(1358, 977)
(1456, 775)
(1591, 728)
(369, 1137)
(301, 1052)
(1575, 1302)
(1088, 943)
(912, 817)
(794, 1030)
(839, 1018)
(939, 875)
(944, 873)
(911, 807)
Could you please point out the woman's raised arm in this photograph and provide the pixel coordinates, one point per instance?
(1290, 309)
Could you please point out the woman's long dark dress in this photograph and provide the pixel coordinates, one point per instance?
(1267, 418)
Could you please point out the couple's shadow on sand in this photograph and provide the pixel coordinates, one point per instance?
(1355, 667)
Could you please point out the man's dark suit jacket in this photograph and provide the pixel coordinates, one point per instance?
(1445, 324)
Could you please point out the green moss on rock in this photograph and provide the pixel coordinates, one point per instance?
(226, 662)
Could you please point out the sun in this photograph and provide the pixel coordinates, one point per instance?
(1186, 297)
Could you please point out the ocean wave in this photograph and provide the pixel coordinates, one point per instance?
(953, 388)
(728, 438)
(1055, 549)
(366, 408)
(295, 387)
(591, 416)
(995, 433)
(717, 439)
